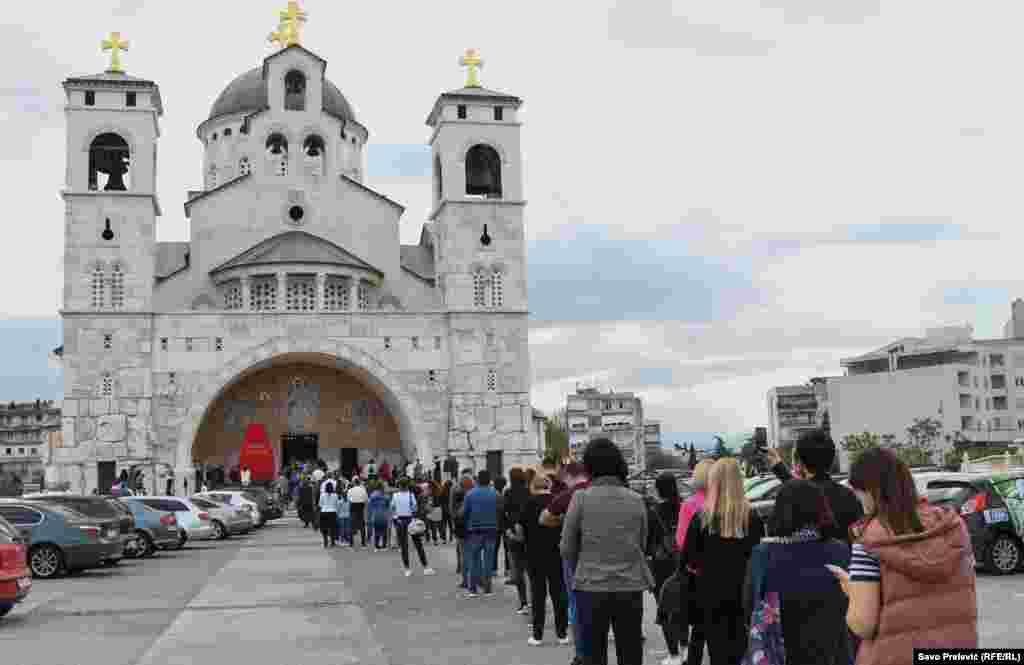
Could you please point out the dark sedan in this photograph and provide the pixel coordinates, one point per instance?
(104, 508)
(992, 507)
(60, 539)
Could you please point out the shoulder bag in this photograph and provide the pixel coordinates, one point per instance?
(417, 527)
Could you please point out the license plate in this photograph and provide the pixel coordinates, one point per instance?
(994, 516)
(24, 583)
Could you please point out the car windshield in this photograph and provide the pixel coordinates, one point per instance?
(759, 491)
(64, 511)
(955, 494)
(203, 503)
(92, 508)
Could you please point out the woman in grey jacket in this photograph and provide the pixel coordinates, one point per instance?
(605, 534)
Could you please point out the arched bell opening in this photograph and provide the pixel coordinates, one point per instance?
(483, 172)
(109, 163)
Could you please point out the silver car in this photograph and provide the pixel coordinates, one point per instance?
(236, 499)
(226, 520)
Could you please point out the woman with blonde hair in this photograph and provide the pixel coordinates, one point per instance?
(718, 545)
(689, 622)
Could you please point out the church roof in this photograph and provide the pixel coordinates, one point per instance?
(471, 95)
(248, 93)
(295, 247)
(119, 80)
(418, 260)
(170, 258)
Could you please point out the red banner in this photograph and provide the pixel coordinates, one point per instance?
(257, 453)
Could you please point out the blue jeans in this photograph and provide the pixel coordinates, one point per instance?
(345, 529)
(569, 571)
(480, 547)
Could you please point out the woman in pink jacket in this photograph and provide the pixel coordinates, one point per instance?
(690, 508)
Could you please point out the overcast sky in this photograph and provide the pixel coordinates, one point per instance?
(723, 196)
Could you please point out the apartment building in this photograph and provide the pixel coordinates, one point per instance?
(652, 437)
(25, 430)
(590, 414)
(974, 387)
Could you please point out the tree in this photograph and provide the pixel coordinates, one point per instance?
(557, 447)
(919, 447)
(857, 444)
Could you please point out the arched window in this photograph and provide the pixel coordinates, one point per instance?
(243, 166)
(438, 182)
(277, 153)
(295, 91)
(212, 176)
(98, 284)
(109, 159)
(116, 287)
(483, 172)
(314, 149)
(497, 289)
(479, 288)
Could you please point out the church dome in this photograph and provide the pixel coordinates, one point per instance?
(248, 93)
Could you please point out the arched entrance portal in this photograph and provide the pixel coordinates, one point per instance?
(301, 411)
(348, 363)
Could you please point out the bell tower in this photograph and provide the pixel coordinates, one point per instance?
(110, 188)
(109, 254)
(478, 196)
(480, 267)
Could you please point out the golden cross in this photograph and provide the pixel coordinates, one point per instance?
(280, 37)
(471, 60)
(292, 18)
(115, 45)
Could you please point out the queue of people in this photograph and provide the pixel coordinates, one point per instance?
(836, 576)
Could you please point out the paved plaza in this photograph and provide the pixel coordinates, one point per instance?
(276, 597)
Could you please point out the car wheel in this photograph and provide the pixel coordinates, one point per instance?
(219, 531)
(1004, 555)
(45, 561)
(110, 563)
(146, 548)
(4, 609)
(182, 539)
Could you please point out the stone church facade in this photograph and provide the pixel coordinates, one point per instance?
(293, 305)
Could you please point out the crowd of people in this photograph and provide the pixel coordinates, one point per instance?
(836, 575)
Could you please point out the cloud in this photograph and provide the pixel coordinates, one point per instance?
(592, 277)
(897, 232)
(652, 24)
(829, 11)
(977, 295)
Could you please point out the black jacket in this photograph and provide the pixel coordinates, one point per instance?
(845, 506)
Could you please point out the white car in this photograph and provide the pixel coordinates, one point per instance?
(193, 520)
(237, 499)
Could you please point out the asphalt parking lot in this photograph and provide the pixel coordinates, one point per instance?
(275, 596)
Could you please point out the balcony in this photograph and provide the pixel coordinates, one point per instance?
(1000, 404)
(998, 382)
(963, 379)
(966, 402)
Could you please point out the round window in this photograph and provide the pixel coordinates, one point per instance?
(295, 213)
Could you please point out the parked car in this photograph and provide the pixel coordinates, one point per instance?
(238, 499)
(62, 540)
(763, 493)
(93, 506)
(992, 507)
(15, 577)
(267, 500)
(226, 520)
(152, 530)
(193, 522)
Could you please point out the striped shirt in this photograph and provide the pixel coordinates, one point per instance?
(864, 565)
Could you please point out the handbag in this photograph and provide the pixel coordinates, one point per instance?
(435, 514)
(417, 527)
(766, 645)
(670, 598)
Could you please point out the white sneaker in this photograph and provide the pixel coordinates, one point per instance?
(565, 640)
(408, 573)
(534, 642)
(673, 660)
(429, 571)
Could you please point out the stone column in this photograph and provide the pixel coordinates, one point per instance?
(282, 287)
(353, 293)
(246, 290)
(321, 292)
